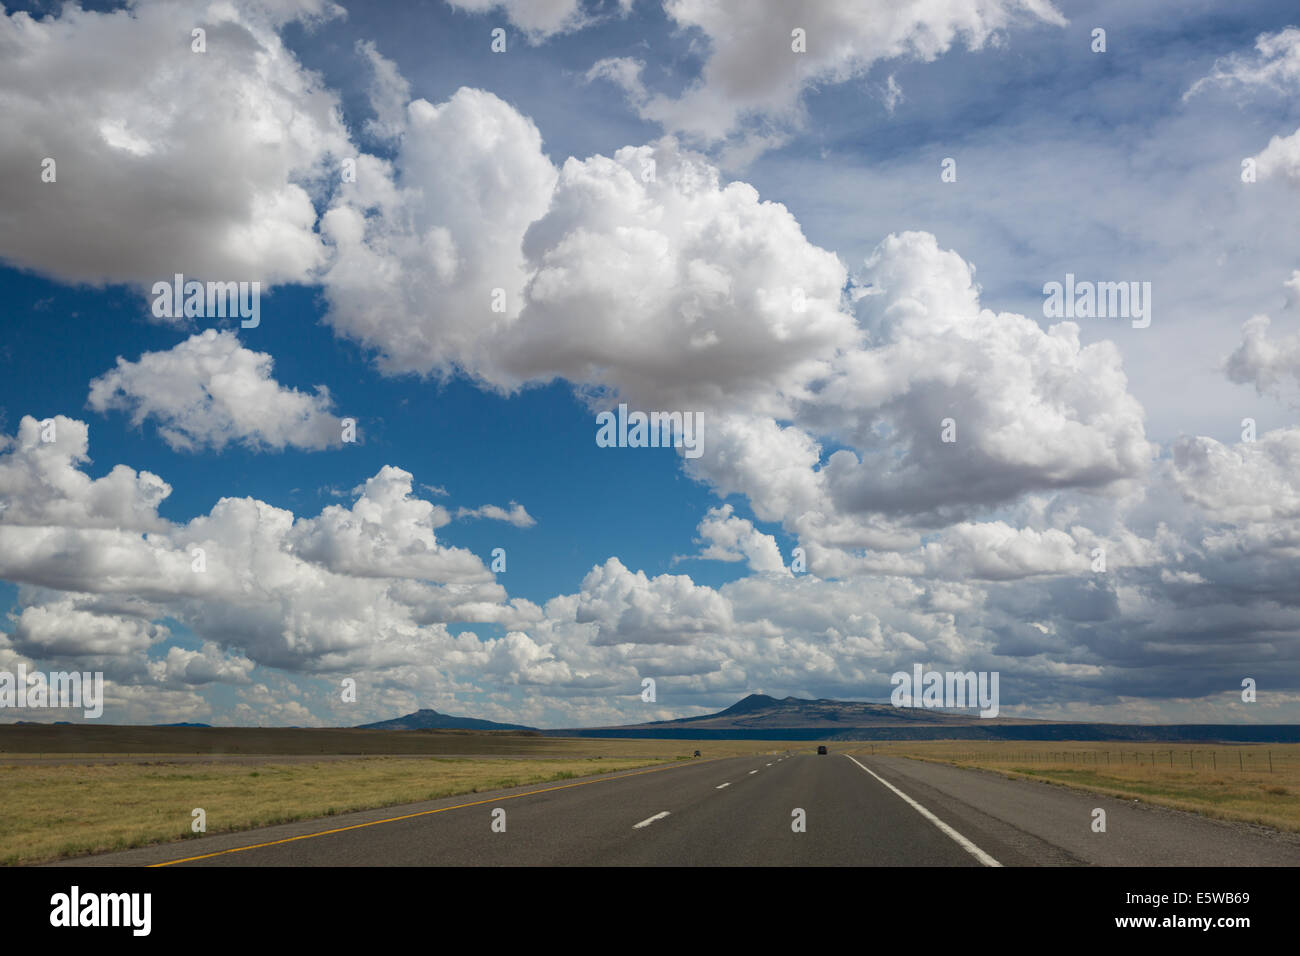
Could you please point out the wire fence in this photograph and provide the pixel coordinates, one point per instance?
(1240, 759)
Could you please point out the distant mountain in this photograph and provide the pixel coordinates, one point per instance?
(182, 724)
(760, 717)
(759, 711)
(425, 719)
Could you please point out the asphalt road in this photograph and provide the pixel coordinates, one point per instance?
(857, 811)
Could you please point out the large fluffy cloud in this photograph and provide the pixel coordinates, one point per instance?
(167, 160)
(422, 247)
(1029, 409)
(654, 278)
(864, 461)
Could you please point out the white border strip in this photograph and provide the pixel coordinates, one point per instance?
(960, 840)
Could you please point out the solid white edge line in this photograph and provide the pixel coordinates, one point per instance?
(649, 820)
(960, 840)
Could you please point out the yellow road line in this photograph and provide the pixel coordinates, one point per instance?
(425, 813)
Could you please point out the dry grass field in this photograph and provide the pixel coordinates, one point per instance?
(235, 741)
(1255, 783)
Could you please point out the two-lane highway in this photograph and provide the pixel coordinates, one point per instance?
(787, 809)
(777, 810)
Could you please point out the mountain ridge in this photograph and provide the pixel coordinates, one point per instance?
(428, 719)
(763, 717)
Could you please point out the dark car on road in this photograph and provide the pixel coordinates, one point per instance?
(821, 749)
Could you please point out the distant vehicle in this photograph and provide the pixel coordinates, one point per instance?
(821, 749)
(696, 754)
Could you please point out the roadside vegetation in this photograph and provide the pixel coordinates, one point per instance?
(1252, 783)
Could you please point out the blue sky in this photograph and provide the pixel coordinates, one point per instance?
(821, 171)
(535, 447)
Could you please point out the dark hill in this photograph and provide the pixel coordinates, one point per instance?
(425, 719)
(759, 711)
